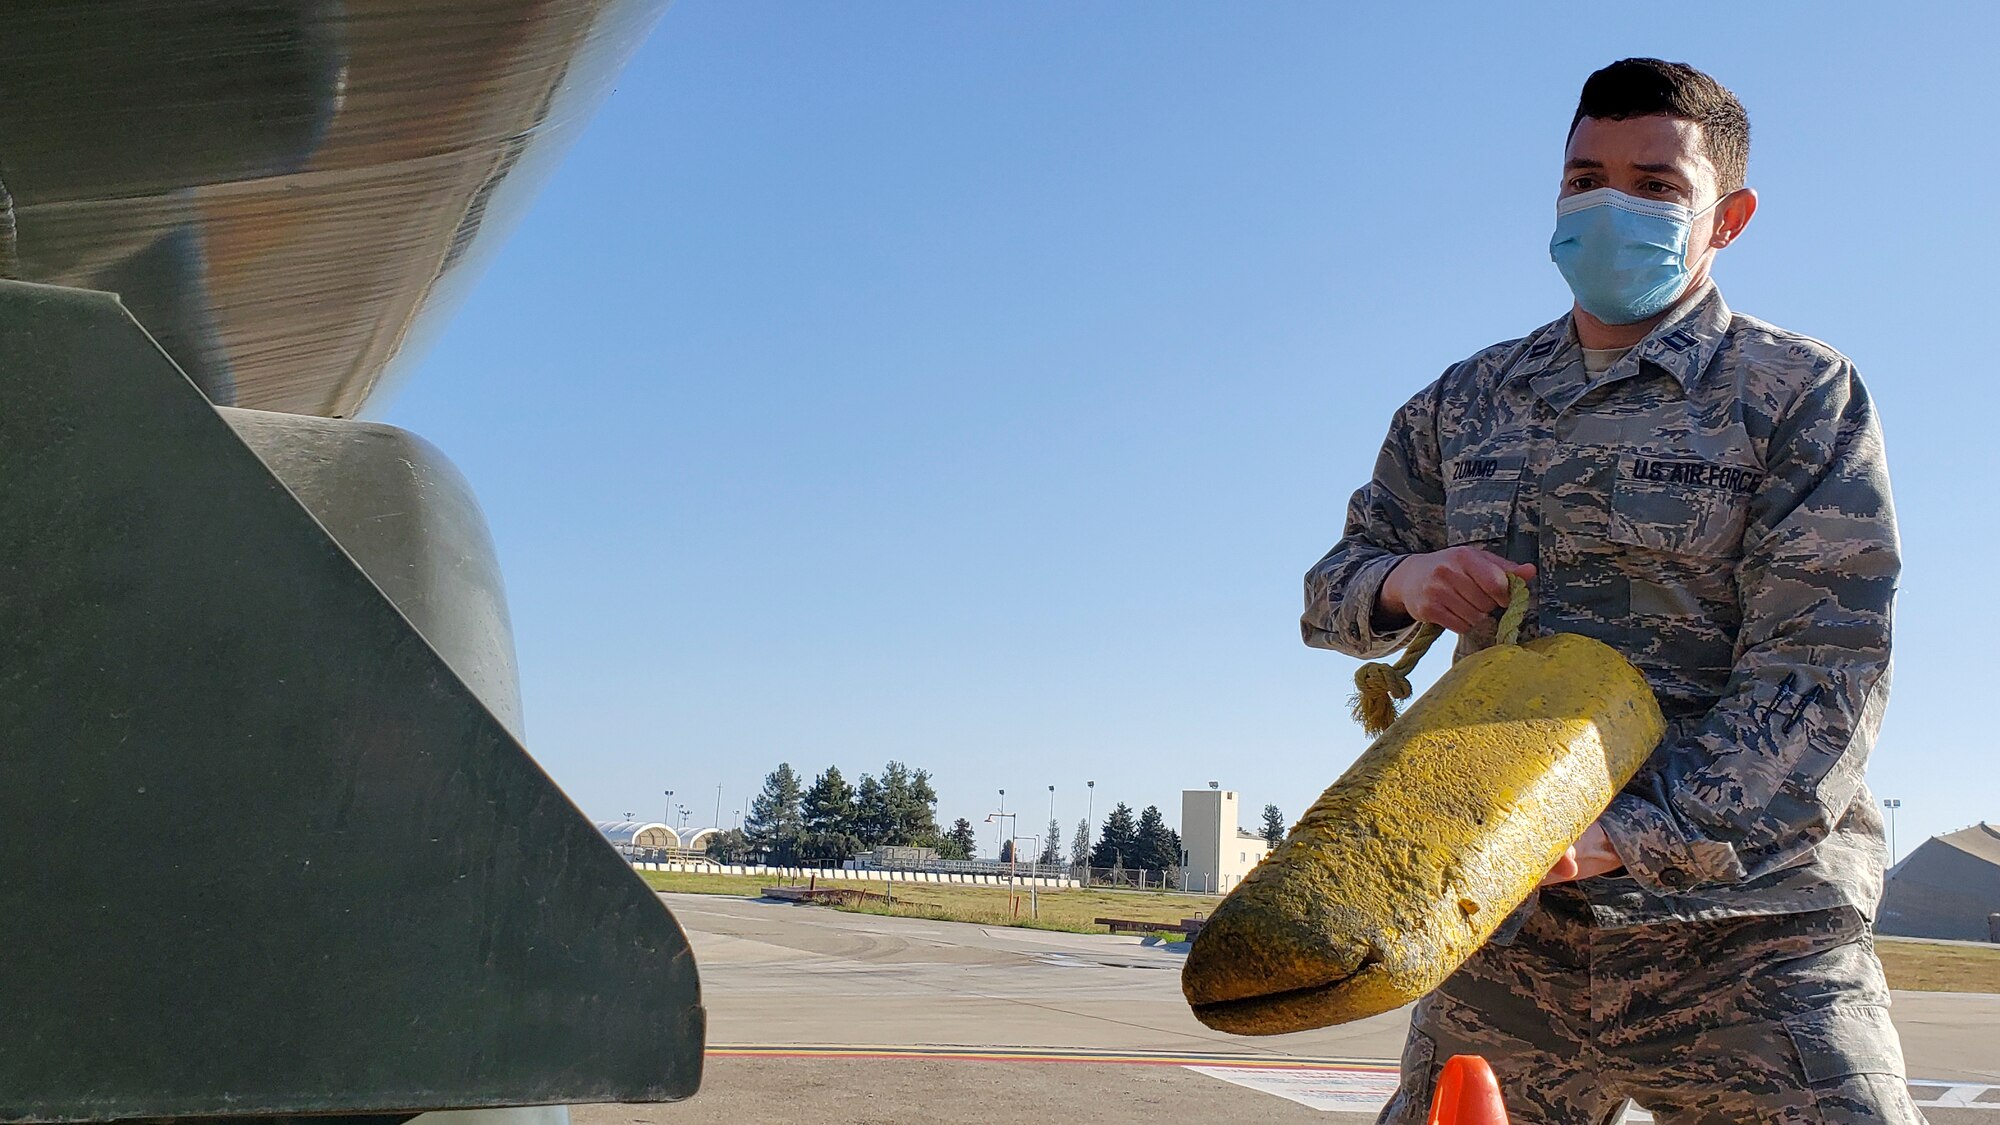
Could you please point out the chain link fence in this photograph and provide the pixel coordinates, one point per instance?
(1135, 878)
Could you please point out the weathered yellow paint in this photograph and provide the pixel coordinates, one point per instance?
(1408, 863)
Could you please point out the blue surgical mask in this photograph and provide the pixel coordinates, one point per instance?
(1624, 257)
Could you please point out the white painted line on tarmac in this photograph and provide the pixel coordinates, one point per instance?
(1367, 1090)
(1356, 1091)
(1953, 1095)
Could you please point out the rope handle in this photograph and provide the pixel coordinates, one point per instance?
(1379, 687)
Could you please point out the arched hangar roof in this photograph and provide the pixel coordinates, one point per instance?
(628, 831)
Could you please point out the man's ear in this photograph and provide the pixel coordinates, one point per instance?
(1732, 214)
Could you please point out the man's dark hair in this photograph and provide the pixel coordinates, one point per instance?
(1649, 87)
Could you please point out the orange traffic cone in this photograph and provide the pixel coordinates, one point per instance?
(1467, 1094)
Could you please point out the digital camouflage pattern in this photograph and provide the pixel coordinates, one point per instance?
(1716, 507)
(1792, 1026)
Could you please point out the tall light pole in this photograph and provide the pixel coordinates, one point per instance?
(1052, 804)
(1892, 804)
(718, 808)
(669, 818)
(1089, 826)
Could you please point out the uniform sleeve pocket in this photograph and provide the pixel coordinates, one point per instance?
(1677, 519)
(1845, 1040)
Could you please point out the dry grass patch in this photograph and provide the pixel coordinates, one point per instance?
(1074, 910)
(1067, 909)
(1927, 966)
(683, 883)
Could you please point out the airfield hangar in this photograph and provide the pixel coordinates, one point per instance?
(1948, 888)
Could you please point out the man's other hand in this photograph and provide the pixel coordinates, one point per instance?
(1590, 855)
(1458, 587)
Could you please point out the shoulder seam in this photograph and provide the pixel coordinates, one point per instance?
(1740, 322)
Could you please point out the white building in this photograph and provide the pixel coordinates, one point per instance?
(634, 837)
(1218, 852)
(638, 835)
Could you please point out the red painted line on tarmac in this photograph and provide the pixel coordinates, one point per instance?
(1029, 1054)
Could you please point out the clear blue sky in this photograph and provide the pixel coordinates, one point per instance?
(972, 384)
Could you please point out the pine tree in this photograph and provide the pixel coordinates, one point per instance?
(872, 821)
(909, 806)
(827, 812)
(1159, 847)
(895, 804)
(729, 846)
(1274, 826)
(923, 825)
(1118, 844)
(960, 842)
(828, 806)
(1007, 851)
(1079, 844)
(1052, 850)
(775, 828)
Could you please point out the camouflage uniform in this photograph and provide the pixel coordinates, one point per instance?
(1716, 507)
(1747, 1019)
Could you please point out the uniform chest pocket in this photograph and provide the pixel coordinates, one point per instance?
(1678, 519)
(1478, 511)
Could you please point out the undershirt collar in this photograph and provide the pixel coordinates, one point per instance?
(1599, 360)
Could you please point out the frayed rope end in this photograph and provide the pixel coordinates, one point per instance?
(1377, 688)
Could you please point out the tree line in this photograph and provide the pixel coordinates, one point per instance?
(1144, 843)
(831, 821)
(1127, 842)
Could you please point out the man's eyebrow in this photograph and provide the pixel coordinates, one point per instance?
(1579, 162)
(1665, 169)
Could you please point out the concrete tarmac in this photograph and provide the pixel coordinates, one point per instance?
(821, 1016)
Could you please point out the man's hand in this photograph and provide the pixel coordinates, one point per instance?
(1590, 855)
(1458, 587)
